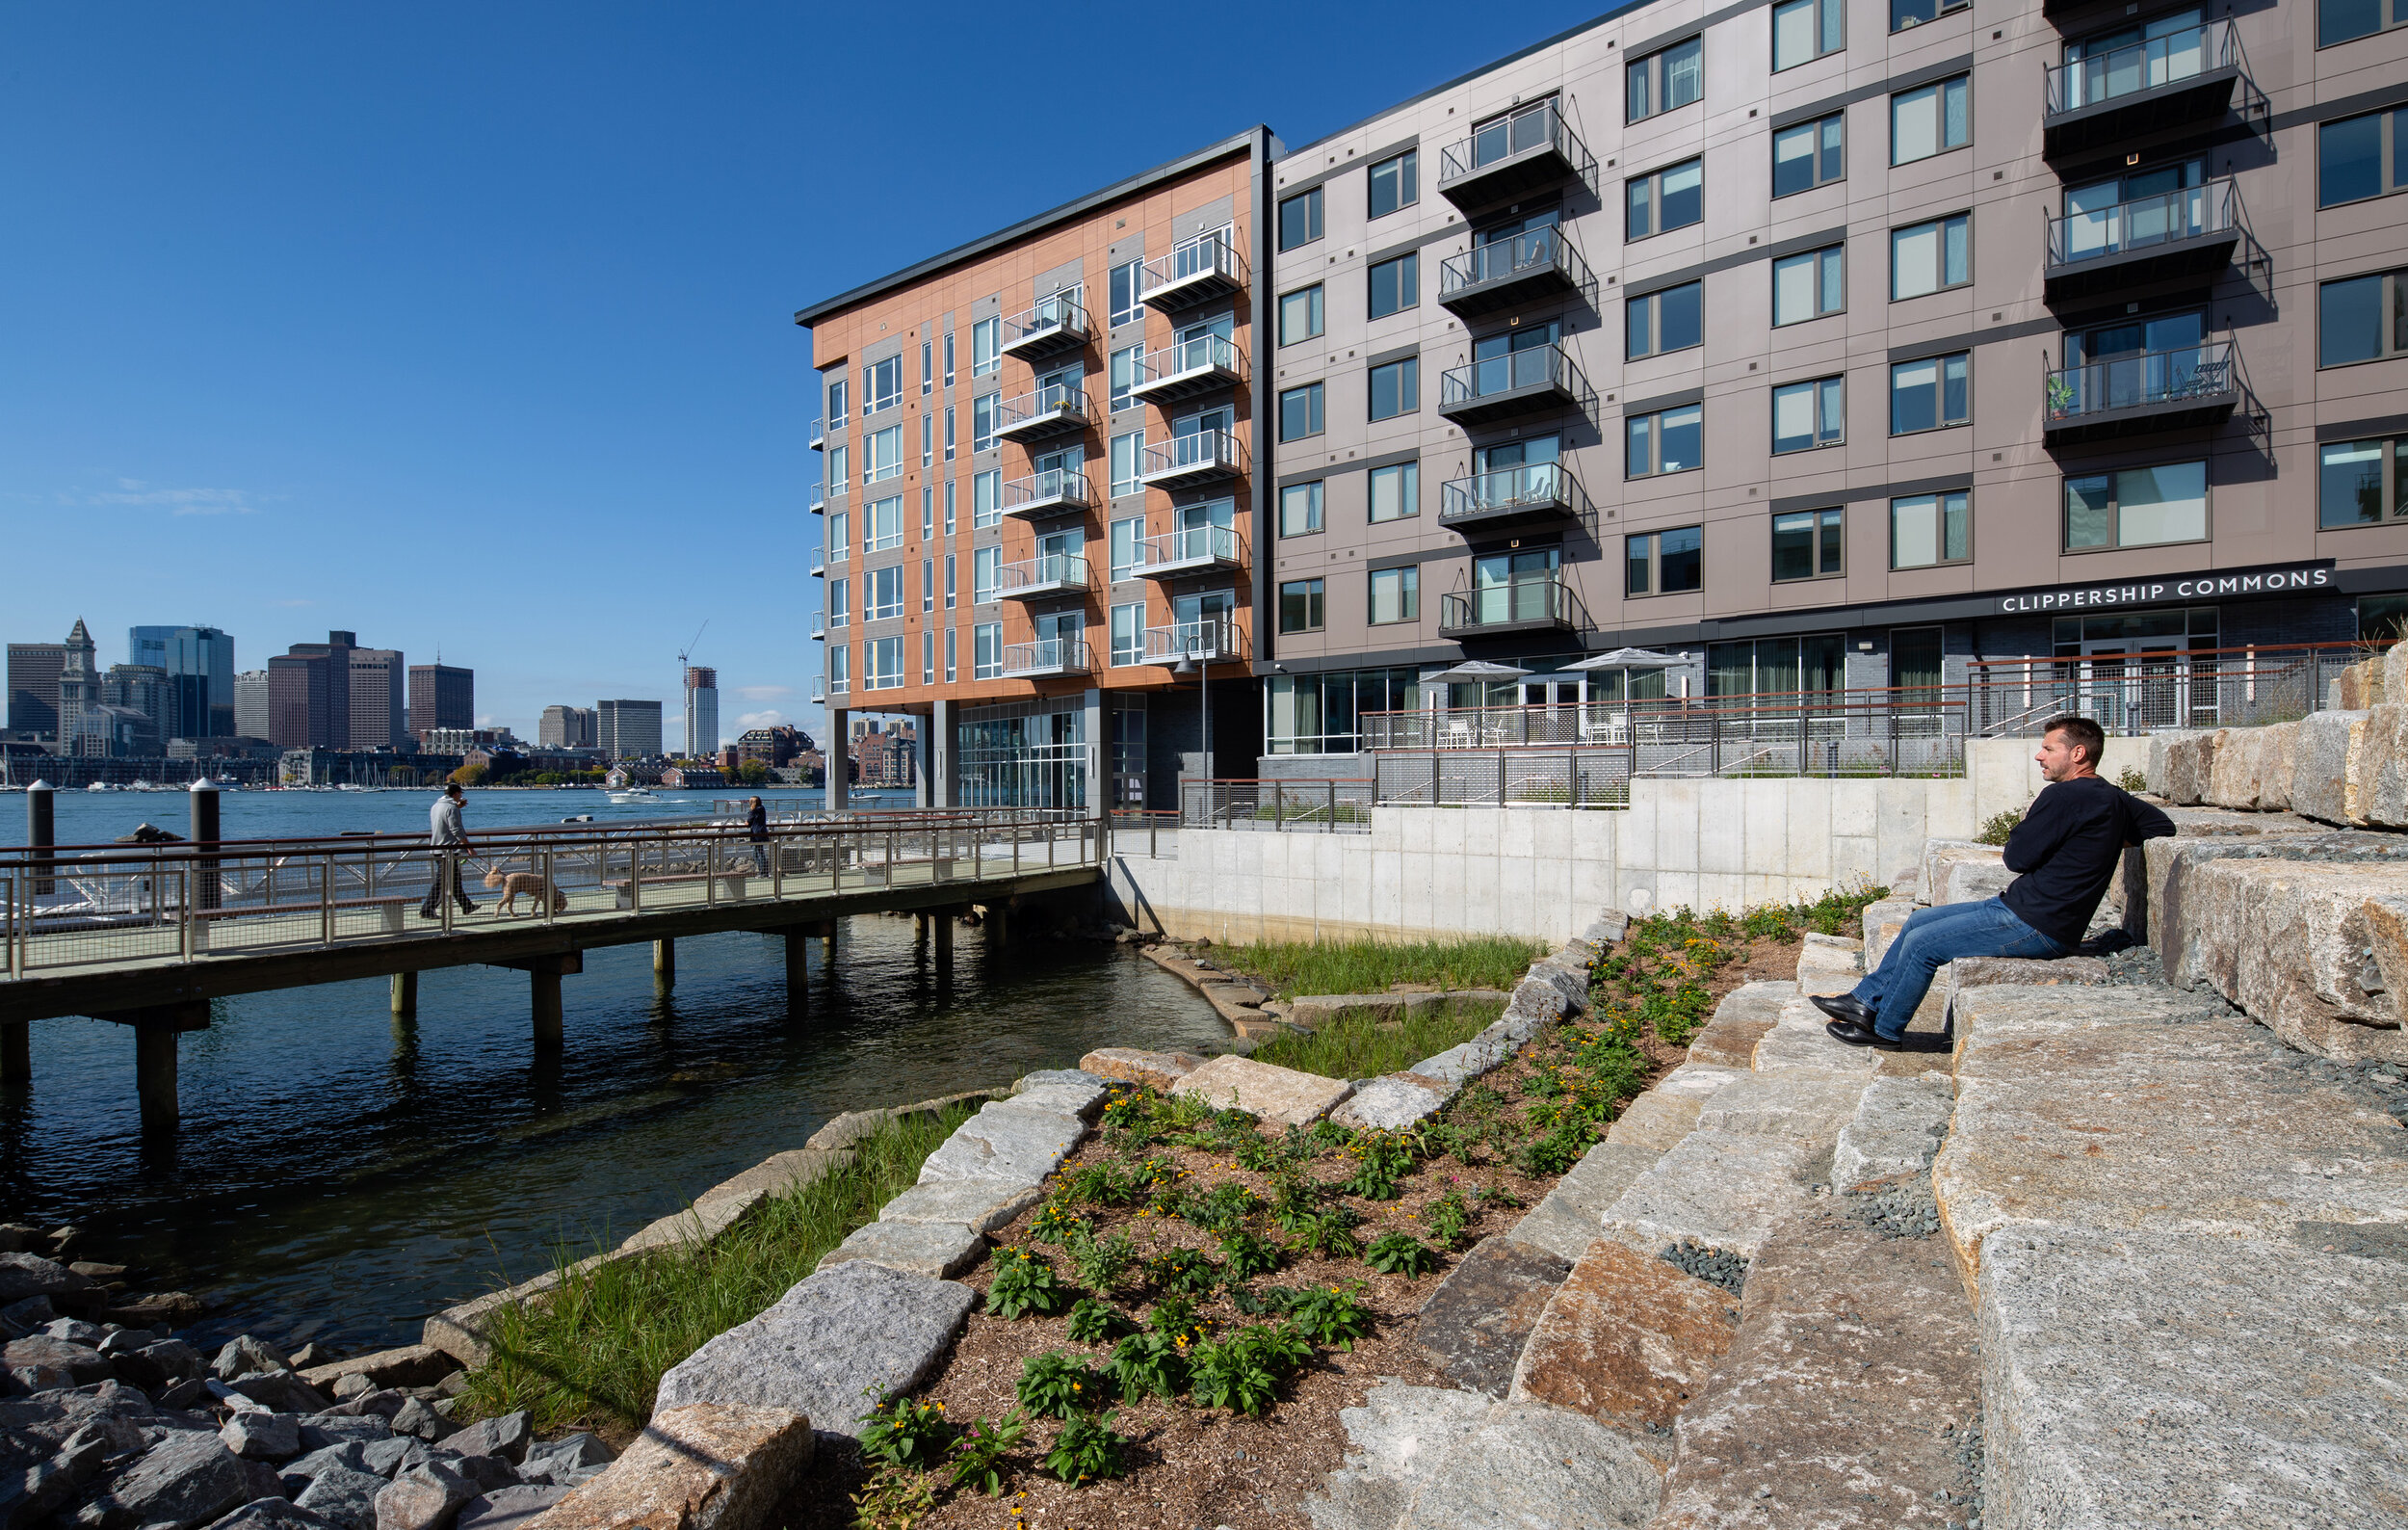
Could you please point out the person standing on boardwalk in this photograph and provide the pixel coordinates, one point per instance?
(757, 830)
(449, 840)
(2064, 854)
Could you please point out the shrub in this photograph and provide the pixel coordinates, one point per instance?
(2133, 779)
(1224, 1208)
(1188, 1270)
(1173, 1317)
(1400, 1253)
(1056, 1383)
(1243, 1372)
(1998, 825)
(894, 1499)
(1328, 1233)
(1102, 1264)
(1148, 1365)
(1086, 1450)
(1094, 1322)
(1024, 1282)
(978, 1452)
(1249, 1254)
(1102, 1184)
(1330, 1315)
(902, 1433)
(1056, 1222)
(1447, 1218)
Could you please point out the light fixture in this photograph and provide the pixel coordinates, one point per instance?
(1184, 668)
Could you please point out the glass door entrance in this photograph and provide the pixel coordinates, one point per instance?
(2140, 671)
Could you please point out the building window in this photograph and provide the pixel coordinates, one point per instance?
(1671, 198)
(949, 433)
(1128, 284)
(1671, 320)
(1666, 442)
(1666, 78)
(927, 584)
(882, 384)
(1300, 219)
(1396, 491)
(1928, 119)
(948, 366)
(1396, 595)
(1396, 183)
(1926, 257)
(1128, 547)
(1300, 413)
(882, 456)
(1300, 315)
(1805, 30)
(952, 580)
(2138, 507)
(1128, 450)
(982, 422)
(2361, 482)
(838, 602)
(1931, 392)
(952, 655)
(839, 536)
(1928, 529)
(927, 514)
(986, 566)
(927, 658)
(1397, 389)
(883, 593)
(987, 650)
(1124, 376)
(1806, 544)
(986, 347)
(2362, 318)
(1810, 154)
(1806, 415)
(1128, 630)
(883, 525)
(1300, 508)
(1397, 284)
(1664, 563)
(839, 668)
(2359, 157)
(927, 439)
(1904, 13)
(836, 406)
(2341, 21)
(1301, 606)
(986, 499)
(839, 468)
(948, 507)
(927, 367)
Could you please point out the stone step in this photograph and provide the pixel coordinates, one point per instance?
(1739, 1022)
(1883, 919)
(1568, 1219)
(1798, 1044)
(1629, 1339)
(1897, 1129)
(1812, 1107)
(1423, 1458)
(1724, 1190)
(1667, 1112)
(1472, 1327)
(1393, 1441)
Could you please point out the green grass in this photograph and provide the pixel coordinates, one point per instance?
(1370, 966)
(1358, 1047)
(597, 1349)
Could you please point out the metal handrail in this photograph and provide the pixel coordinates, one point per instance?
(1199, 642)
(2144, 65)
(1202, 353)
(1195, 452)
(1524, 255)
(1191, 544)
(1045, 568)
(1515, 133)
(1505, 374)
(2145, 222)
(1214, 253)
(1532, 486)
(1068, 485)
(1061, 313)
(1046, 656)
(1054, 398)
(2155, 377)
(1548, 598)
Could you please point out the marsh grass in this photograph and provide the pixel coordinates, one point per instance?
(1360, 1047)
(596, 1352)
(1370, 966)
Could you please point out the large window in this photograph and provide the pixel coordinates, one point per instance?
(883, 593)
(2362, 318)
(986, 566)
(839, 668)
(1930, 119)
(837, 407)
(883, 525)
(1300, 316)
(1808, 545)
(927, 658)
(949, 507)
(1925, 257)
(1300, 508)
(1396, 389)
(1300, 413)
(1776, 665)
(1664, 563)
(982, 410)
(882, 456)
(1904, 13)
(1666, 78)
(1301, 219)
(949, 433)
(1122, 370)
(1810, 154)
(987, 650)
(2359, 157)
(1128, 547)
(839, 469)
(1396, 182)
(952, 582)
(838, 602)
(883, 664)
(949, 358)
(882, 384)
(839, 536)
(1928, 529)
(1396, 491)
(952, 654)
(1396, 284)
(986, 499)
(1806, 415)
(986, 347)
(1128, 630)
(1671, 198)
(1931, 392)
(1671, 320)
(928, 439)
(1396, 595)
(1127, 283)
(1666, 442)
(1316, 713)
(1301, 606)
(1128, 450)
(2340, 20)
(2361, 482)
(1809, 285)
(1805, 30)
(2138, 507)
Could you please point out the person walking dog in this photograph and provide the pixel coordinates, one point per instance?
(2064, 852)
(450, 844)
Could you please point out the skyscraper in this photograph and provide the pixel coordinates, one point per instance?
(309, 694)
(200, 664)
(79, 683)
(702, 711)
(33, 687)
(441, 696)
(376, 696)
(566, 727)
(627, 729)
(250, 704)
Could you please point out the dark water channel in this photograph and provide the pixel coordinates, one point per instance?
(338, 1175)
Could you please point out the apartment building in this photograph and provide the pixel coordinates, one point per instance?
(1831, 343)
(1040, 491)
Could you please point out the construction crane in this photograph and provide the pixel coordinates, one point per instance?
(687, 652)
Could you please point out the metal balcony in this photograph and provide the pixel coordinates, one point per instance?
(2108, 102)
(819, 627)
(1524, 151)
(1206, 641)
(1504, 388)
(1187, 368)
(819, 564)
(2162, 390)
(1046, 656)
(1197, 458)
(819, 435)
(1198, 271)
(2180, 233)
(1054, 573)
(1056, 492)
(819, 496)
(1055, 324)
(1055, 410)
(1195, 550)
(1512, 274)
(1525, 605)
(1538, 493)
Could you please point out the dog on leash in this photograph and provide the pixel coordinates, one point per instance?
(514, 882)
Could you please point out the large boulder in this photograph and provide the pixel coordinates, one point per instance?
(2189, 770)
(273, 1514)
(1006, 1141)
(2236, 776)
(30, 1275)
(2160, 762)
(2361, 686)
(39, 1363)
(506, 1436)
(262, 1437)
(424, 1498)
(2326, 782)
(187, 1479)
(1281, 1096)
(700, 1466)
(245, 1353)
(345, 1496)
(2383, 767)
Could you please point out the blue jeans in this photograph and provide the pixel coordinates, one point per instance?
(1896, 989)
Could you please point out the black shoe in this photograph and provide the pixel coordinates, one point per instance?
(468, 907)
(1855, 1034)
(1845, 1006)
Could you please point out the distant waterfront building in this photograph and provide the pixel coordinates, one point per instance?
(884, 754)
(250, 704)
(200, 664)
(566, 727)
(461, 740)
(626, 730)
(378, 691)
(79, 685)
(143, 687)
(442, 696)
(309, 694)
(773, 746)
(702, 712)
(34, 688)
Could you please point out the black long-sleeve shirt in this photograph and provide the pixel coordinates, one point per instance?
(2065, 851)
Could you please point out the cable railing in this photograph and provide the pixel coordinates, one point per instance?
(2144, 65)
(2144, 222)
(2190, 373)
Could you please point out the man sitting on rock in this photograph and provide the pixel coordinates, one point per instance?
(2064, 852)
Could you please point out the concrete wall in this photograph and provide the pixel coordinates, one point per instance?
(1423, 872)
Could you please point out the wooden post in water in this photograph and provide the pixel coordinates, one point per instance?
(405, 996)
(155, 1030)
(943, 921)
(16, 1052)
(547, 985)
(665, 964)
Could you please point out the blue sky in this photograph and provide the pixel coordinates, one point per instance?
(469, 327)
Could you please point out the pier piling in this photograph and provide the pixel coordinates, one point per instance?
(405, 996)
(16, 1052)
(544, 981)
(943, 921)
(665, 964)
(155, 1030)
(797, 966)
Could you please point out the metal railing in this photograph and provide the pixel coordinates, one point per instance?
(1196, 452)
(1206, 255)
(1056, 402)
(1531, 487)
(2145, 65)
(2193, 372)
(1060, 316)
(82, 906)
(2145, 221)
(1515, 134)
(1538, 365)
(1199, 642)
(1046, 573)
(1334, 805)
(1191, 358)
(1045, 656)
(1056, 485)
(1516, 603)
(1191, 547)
(1509, 259)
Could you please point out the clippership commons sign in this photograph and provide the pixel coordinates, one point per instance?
(2213, 585)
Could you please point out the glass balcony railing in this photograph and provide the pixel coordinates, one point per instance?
(1055, 489)
(1524, 149)
(1194, 271)
(2205, 375)
(1533, 492)
(1541, 376)
(819, 435)
(1195, 365)
(2144, 222)
(1045, 656)
(1202, 642)
(1058, 323)
(1192, 458)
(1049, 411)
(1188, 550)
(1505, 270)
(2146, 65)
(1546, 601)
(1046, 573)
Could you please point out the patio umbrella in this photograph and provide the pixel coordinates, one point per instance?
(1629, 659)
(1476, 670)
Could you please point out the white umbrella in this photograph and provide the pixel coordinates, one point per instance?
(1629, 659)
(1472, 669)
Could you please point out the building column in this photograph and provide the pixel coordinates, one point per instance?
(942, 791)
(838, 751)
(1099, 750)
